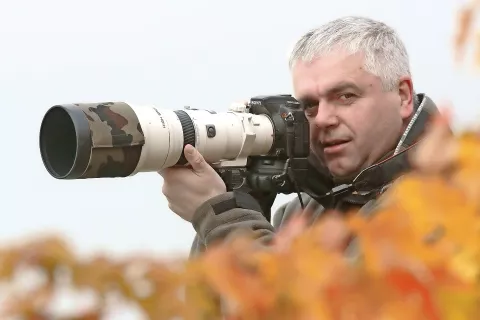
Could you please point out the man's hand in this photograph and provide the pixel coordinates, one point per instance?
(188, 188)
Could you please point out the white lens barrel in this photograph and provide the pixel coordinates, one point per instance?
(235, 133)
(220, 136)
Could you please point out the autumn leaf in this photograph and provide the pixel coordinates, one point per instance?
(465, 32)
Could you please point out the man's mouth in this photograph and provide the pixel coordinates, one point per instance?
(331, 143)
(334, 146)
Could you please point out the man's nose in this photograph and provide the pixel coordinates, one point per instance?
(326, 116)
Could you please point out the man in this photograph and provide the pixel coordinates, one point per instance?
(353, 78)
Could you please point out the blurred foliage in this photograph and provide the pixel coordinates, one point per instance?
(420, 256)
(466, 35)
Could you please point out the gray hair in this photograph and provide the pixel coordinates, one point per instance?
(385, 53)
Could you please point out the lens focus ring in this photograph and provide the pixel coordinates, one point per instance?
(188, 133)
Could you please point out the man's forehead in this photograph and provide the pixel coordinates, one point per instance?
(325, 74)
(334, 58)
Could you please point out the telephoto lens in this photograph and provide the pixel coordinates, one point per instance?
(118, 139)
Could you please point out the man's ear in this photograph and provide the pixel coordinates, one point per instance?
(406, 94)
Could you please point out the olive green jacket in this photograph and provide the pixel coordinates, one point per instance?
(218, 218)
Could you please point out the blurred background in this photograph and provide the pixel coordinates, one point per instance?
(205, 54)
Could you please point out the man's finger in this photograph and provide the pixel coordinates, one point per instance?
(195, 159)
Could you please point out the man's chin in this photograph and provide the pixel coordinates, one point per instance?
(341, 172)
(337, 167)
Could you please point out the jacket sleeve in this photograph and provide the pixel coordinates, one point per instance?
(221, 217)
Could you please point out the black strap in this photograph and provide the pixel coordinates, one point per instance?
(239, 200)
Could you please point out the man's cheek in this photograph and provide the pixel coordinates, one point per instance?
(314, 133)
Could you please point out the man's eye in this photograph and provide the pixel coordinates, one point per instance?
(346, 97)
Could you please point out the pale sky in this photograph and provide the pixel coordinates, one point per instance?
(205, 54)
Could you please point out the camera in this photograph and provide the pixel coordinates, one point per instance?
(261, 146)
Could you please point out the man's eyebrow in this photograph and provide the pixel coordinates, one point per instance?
(341, 86)
(307, 100)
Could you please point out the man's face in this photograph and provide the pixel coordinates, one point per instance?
(353, 121)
